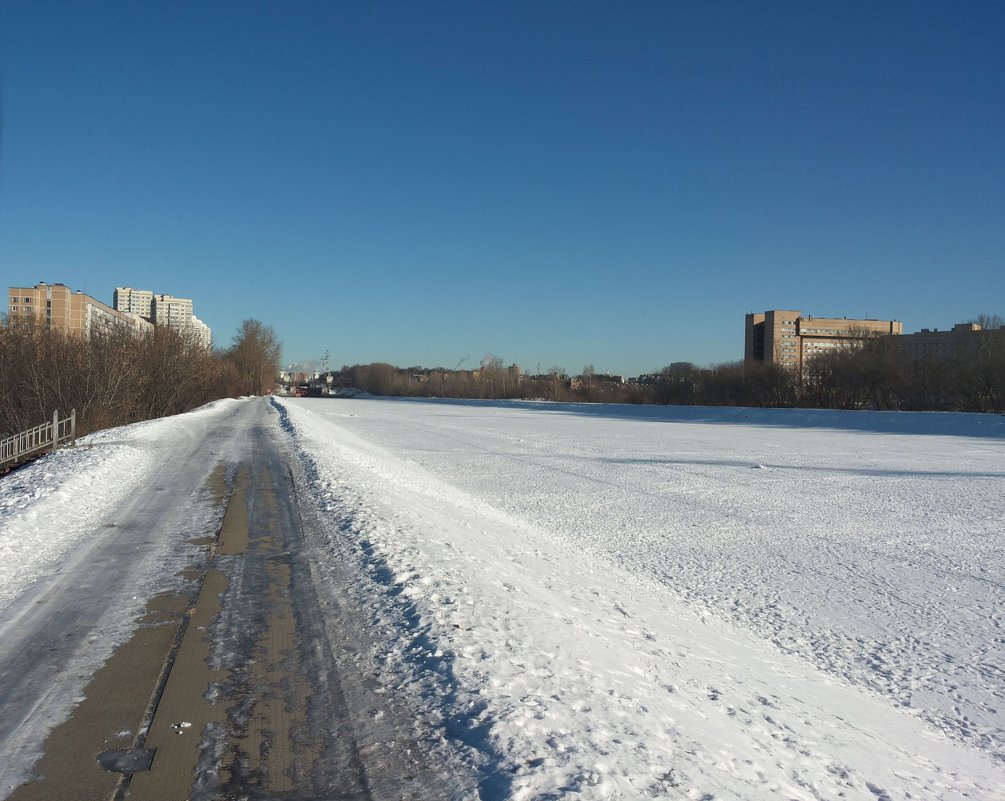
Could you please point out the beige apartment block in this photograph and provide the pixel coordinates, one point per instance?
(56, 307)
(786, 337)
(134, 301)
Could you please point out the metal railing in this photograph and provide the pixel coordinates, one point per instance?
(47, 436)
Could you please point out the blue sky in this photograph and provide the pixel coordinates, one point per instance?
(557, 183)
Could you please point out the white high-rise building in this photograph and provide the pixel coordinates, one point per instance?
(202, 332)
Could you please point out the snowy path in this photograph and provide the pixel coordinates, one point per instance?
(87, 536)
(160, 616)
(743, 608)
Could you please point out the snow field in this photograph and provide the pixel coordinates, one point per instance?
(593, 610)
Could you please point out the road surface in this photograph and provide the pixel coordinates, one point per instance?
(237, 681)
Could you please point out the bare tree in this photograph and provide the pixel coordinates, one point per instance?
(255, 353)
(986, 359)
(110, 378)
(989, 322)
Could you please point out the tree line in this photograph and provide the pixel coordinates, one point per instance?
(879, 373)
(117, 376)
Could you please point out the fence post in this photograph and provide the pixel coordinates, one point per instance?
(73, 428)
(55, 429)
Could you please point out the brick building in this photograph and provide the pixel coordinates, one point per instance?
(58, 308)
(788, 338)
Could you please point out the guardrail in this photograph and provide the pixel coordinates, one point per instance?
(47, 436)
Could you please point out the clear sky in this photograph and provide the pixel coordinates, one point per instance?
(555, 183)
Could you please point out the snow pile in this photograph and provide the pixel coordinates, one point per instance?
(611, 603)
(53, 505)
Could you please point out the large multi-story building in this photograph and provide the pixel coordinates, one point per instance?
(935, 343)
(202, 333)
(175, 313)
(789, 339)
(134, 301)
(57, 307)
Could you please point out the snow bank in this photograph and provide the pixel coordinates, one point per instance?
(51, 506)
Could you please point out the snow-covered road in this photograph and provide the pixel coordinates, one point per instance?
(624, 602)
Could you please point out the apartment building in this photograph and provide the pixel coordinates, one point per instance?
(134, 301)
(166, 310)
(57, 307)
(202, 333)
(172, 312)
(176, 314)
(788, 338)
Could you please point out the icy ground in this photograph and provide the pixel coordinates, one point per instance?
(624, 603)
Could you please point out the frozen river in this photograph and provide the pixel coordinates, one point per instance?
(860, 554)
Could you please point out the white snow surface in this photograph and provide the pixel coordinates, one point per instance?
(609, 602)
(54, 504)
(621, 602)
